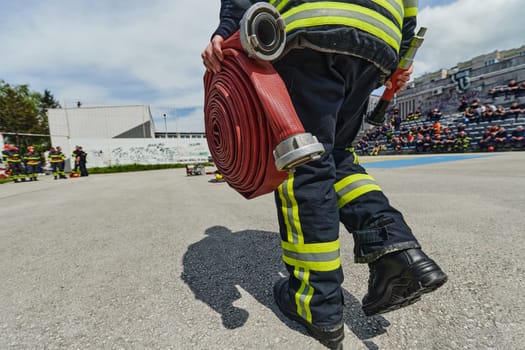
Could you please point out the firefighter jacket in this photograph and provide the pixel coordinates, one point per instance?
(79, 155)
(56, 157)
(377, 31)
(13, 156)
(32, 158)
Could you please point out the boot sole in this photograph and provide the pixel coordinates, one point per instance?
(333, 343)
(404, 291)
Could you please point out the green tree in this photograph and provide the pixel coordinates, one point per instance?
(23, 111)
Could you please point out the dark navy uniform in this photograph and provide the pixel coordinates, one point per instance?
(337, 53)
(32, 161)
(14, 163)
(57, 160)
(80, 158)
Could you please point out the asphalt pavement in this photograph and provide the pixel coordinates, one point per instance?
(160, 260)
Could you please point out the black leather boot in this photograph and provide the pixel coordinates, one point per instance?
(399, 279)
(329, 336)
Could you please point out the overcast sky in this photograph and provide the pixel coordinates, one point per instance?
(114, 52)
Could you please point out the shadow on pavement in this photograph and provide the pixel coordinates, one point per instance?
(214, 266)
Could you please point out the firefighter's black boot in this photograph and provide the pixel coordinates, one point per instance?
(399, 279)
(329, 336)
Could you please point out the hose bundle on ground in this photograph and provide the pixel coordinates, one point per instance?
(247, 113)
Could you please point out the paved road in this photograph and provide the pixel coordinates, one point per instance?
(158, 260)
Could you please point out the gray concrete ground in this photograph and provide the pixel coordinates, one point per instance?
(158, 260)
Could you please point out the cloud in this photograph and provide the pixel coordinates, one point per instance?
(136, 52)
(464, 29)
(185, 120)
(154, 44)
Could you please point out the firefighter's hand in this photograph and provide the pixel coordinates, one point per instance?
(212, 54)
(402, 80)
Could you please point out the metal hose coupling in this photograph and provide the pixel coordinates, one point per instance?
(263, 32)
(263, 36)
(297, 150)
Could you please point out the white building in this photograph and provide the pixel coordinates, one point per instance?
(120, 135)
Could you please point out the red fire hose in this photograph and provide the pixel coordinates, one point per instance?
(247, 112)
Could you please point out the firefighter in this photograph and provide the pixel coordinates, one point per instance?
(80, 158)
(462, 143)
(32, 162)
(14, 163)
(337, 53)
(57, 160)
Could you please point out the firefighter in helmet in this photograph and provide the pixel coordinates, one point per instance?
(32, 162)
(14, 163)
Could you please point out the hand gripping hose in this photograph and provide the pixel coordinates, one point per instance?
(247, 114)
(242, 120)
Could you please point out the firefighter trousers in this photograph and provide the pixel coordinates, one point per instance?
(330, 93)
(14, 169)
(58, 169)
(32, 171)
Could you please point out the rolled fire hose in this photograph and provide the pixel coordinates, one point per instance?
(252, 129)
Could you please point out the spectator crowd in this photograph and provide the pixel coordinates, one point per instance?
(431, 136)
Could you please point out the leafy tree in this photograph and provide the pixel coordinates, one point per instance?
(23, 111)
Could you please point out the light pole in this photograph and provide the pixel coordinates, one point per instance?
(165, 127)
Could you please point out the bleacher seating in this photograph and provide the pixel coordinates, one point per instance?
(474, 130)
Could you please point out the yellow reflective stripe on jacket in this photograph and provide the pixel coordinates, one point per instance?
(279, 4)
(304, 294)
(351, 15)
(410, 8)
(313, 256)
(32, 160)
(14, 158)
(395, 8)
(290, 211)
(55, 158)
(354, 186)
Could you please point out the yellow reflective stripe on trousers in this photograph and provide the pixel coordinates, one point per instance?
(354, 186)
(304, 294)
(351, 15)
(313, 256)
(410, 8)
(290, 211)
(352, 150)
